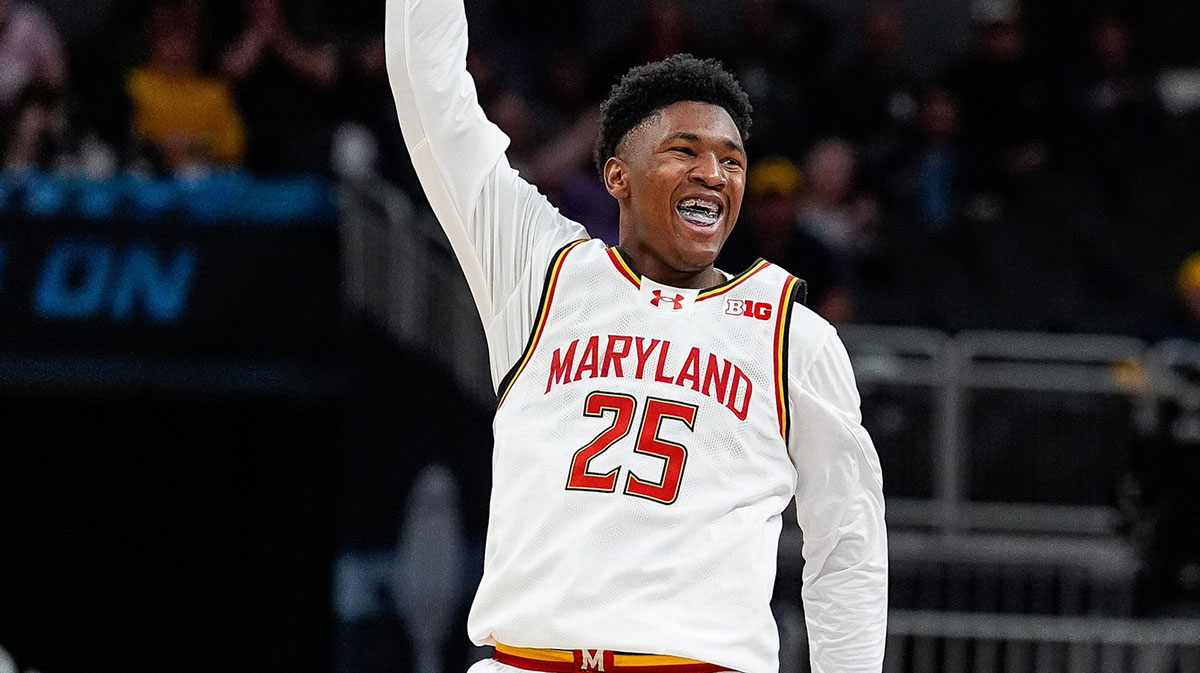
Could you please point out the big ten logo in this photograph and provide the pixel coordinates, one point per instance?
(82, 279)
(754, 309)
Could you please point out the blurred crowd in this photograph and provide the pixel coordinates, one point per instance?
(1039, 175)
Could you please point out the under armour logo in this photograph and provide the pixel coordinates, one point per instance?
(676, 301)
(593, 660)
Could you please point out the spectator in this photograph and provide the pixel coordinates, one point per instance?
(186, 117)
(872, 97)
(1004, 92)
(1166, 464)
(33, 74)
(1183, 320)
(781, 48)
(931, 196)
(1113, 108)
(831, 209)
(570, 85)
(666, 28)
(283, 85)
(769, 229)
(1189, 294)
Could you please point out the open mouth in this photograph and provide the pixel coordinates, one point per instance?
(699, 212)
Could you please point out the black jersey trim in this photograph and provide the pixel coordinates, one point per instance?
(705, 293)
(798, 295)
(539, 320)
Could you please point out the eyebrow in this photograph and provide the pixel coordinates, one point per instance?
(686, 135)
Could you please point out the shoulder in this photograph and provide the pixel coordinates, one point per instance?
(558, 259)
(807, 331)
(567, 247)
(809, 337)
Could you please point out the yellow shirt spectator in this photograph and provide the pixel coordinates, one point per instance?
(189, 117)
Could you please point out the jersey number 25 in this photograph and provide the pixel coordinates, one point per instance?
(624, 408)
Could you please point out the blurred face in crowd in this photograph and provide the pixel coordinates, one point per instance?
(1003, 41)
(569, 77)
(881, 29)
(938, 116)
(668, 25)
(173, 45)
(1110, 43)
(830, 172)
(679, 178)
(773, 212)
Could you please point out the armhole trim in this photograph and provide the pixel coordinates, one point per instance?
(794, 291)
(539, 321)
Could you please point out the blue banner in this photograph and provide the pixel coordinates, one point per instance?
(168, 287)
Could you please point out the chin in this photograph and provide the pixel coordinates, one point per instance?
(698, 258)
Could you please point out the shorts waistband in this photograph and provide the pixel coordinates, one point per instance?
(604, 661)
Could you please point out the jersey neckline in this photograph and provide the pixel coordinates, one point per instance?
(626, 269)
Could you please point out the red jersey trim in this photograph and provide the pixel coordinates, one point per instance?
(572, 661)
(626, 269)
(539, 322)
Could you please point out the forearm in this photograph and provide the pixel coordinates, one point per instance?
(453, 146)
(452, 143)
(502, 230)
(845, 592)
(839, 505)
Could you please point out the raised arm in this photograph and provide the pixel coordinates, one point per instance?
(502, 230)
(839, 505)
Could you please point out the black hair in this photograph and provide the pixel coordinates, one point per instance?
(646, 89)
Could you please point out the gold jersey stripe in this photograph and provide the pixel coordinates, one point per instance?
(781, 337)
(539, 322)
(541, 654)
(626, 269)
(733, 282)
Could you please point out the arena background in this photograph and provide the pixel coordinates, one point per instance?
(244, 408)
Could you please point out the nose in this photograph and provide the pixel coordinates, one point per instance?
(708, 171)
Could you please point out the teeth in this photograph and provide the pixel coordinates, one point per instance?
(701, 213)
(698, 204)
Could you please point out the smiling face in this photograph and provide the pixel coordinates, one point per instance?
(679, 178)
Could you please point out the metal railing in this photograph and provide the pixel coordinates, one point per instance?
(940, 642)
(399, 268)
(958, 370)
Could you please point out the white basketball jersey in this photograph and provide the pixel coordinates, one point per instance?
(640, 467)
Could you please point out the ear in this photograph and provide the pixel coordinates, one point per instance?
(616, 178)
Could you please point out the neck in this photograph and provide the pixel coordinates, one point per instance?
(649, 265)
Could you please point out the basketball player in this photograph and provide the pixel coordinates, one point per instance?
(655, 414)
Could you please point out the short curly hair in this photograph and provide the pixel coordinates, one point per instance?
(646, 89)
